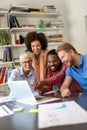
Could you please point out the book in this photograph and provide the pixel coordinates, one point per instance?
(5, 76)
(3, 72)
(48, 9)
(8, 54)
(55, 38)
(33, 9)
(0, 71)
(12, 22)
(13, 39)
(1, 54)
(4, 55)
(16, 22)
(8, 72)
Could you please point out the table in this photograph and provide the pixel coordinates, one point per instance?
(25, 121)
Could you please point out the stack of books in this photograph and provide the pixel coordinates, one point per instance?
(57, 23)
(4, 74)
(23, 8)
(48, 9)
(55, 38)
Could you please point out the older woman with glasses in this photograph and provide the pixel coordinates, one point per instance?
(25, 72)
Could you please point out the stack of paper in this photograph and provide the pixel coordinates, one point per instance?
(5, 111)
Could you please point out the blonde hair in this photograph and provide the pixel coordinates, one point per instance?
(66, 47)
(24, 55)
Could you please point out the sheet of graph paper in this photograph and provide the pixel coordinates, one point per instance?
(63, 113)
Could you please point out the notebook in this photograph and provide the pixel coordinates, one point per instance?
(21, 91)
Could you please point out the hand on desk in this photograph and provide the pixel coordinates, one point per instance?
(65, 93)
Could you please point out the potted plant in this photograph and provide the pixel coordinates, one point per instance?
(4, 37)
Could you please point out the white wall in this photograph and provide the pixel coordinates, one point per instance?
(74, 18)
(75, 24)
(6, 3)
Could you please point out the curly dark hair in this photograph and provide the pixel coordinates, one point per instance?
(32, 36)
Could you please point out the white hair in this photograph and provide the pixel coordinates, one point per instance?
(24, 55)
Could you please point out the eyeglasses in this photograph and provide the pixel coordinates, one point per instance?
(27, 62)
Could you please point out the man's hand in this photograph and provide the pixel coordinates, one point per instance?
(65, 93)
(40, 85)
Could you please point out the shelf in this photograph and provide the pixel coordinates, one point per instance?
(32, 29)
(33, 14)
(3, 13)
(18, 45)
(7, 64)
(54, 43)
(5, 28)
(49, 44)
(3, 46)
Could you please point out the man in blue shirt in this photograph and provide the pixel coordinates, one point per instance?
(25, 71)
(76, 67)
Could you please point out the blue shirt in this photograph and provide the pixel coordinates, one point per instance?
(79, 74)
(17, 75)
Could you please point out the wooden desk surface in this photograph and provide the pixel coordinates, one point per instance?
(25, 121)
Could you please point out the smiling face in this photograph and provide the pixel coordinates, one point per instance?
(53, 62)
(26, 63)
(36, 47)
(66, 57)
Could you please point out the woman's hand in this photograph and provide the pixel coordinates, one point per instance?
(40, 85)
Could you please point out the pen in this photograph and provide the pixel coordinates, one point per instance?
(5, 110)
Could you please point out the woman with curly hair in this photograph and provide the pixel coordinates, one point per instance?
(37, 44)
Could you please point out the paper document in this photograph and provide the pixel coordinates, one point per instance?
(5, 111)
(6, 99)
(64, 113)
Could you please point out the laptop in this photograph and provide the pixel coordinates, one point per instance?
(21, 91)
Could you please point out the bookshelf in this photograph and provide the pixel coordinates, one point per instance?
(24, 23)
(29, 21)
(5, 42)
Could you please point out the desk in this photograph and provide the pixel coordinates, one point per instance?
(26, 121)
